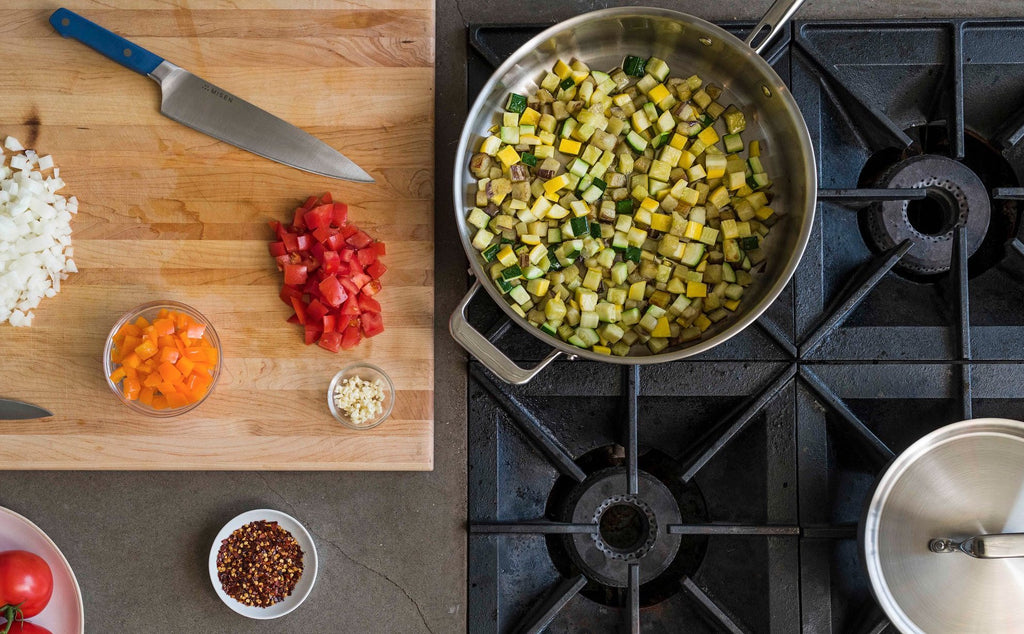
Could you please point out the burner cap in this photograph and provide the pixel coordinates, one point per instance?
(956, 198)
(633, 528)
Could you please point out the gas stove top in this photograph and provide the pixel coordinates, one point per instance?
(722, 493)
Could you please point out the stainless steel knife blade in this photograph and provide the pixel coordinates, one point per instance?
(214, 111)
(200, 105)
(16, 410)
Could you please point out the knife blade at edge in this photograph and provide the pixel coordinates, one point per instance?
(18, 410)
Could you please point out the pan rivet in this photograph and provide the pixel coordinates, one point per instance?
(766, 90)
(127, 52)
(706, 41)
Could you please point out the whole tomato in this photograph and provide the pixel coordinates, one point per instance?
(25, 627)
(26, 584)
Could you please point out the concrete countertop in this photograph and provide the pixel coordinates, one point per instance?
(392, 546)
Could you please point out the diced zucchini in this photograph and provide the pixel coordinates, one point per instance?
(692, 254)
(733, 143)
(519, 294)
(635, 141)
(634, 65)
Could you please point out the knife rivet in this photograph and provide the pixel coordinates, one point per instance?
(65, 22)
(127, 52)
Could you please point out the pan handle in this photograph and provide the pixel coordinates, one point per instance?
(771, 24)
(996, 546)
(480, 347)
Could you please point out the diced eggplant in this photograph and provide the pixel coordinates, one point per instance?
(521, 191)
(518, 172)
(548, 168)
(498, 188)
(642, 164)
(614, 179)
(480, 165)
(491, 209)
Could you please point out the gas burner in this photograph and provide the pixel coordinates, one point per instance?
(956, 198)
(959, 195)
(632, 527)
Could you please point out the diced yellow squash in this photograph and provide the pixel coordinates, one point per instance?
(677, 141)
(601, 349)
(755, 149)
(729, 230)
(708, 136)
(657, 94)
(529, 117)
(568, 146)
(661, 329)
(507, 256)
(636, 291)
(509, 156)
(731, 304)
(529, 238)
(686, 159)
(702, 322)
(592, 279)
(562, 69)
(689, 196)
(538, 287)
(661, 222)
(540, 208)
(714, 164)
(696, 289)
(490, 145)
(544, 151)
(764, 213)
(557, 212)
(693, 230)
(559, 182)
(735, 180)
(649, 204)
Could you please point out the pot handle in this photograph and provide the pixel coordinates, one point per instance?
(772, 22)
(486, 352)
(997, 546)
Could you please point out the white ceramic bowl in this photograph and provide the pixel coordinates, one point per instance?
(309, 563)
(64, 613)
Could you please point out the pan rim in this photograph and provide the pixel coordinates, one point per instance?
(780, 90)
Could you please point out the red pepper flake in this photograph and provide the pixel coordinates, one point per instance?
(259, 564)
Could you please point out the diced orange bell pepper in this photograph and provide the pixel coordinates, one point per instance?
(184, 366)
(131, 388)
(159, 402)
(117, 375)
(146, 349)
(146, 396)
(169, 354)
(169, 372)
(131, 342)
(177, 399)
(195, 331)
(131, 360)
(163, 327)
(141, 322)
(153, 380)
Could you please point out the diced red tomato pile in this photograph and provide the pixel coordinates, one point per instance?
(331, 272)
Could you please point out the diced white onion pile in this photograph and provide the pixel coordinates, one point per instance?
(35, 233)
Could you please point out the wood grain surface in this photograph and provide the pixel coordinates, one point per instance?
(169, 213)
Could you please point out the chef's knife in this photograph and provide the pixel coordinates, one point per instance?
(16, 410)
(202, 106)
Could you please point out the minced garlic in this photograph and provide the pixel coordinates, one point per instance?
(359, 400)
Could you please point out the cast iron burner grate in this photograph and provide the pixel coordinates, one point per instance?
(905, 315)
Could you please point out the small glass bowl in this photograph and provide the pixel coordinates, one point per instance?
(150, 311)
(366, 372)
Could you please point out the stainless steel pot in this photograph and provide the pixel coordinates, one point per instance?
(943, 532)
(689, 45)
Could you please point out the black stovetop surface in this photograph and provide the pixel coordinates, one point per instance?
(772, 441)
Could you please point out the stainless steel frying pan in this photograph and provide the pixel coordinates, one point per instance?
(689, 45)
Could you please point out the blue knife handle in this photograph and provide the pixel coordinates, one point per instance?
(70, 24)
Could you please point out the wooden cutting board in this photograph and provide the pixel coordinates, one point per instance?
(169, 213)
